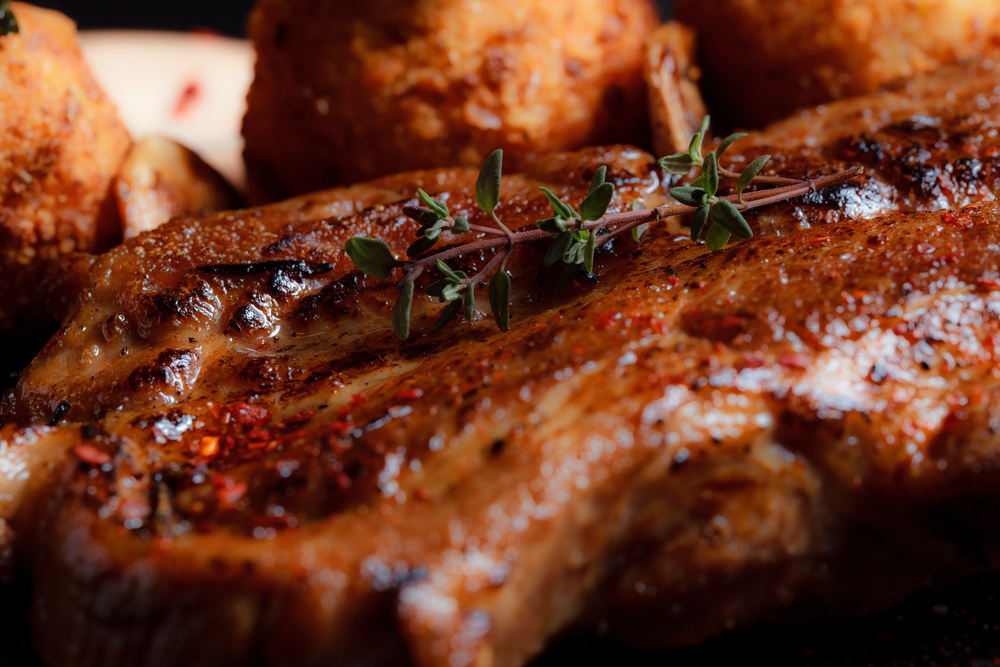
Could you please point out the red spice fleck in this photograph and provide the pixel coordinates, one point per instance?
(605, 320)
(357, 400)
(720, 348)
(91, 454)
(187, 99)
(300, 418)
(249, 415)
(674, 282)
(209, 446)
(228, 490)
(819, 240)
(732, 321)
(793, 360)
(985, 282)
(409, 394)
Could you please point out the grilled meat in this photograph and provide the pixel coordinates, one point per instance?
(255, 471)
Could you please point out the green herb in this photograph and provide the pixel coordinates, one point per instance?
(574, 234)
(8, 24)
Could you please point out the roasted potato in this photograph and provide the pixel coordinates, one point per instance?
(161, 179)
(348, 91)
(765, 58)
(60, 144)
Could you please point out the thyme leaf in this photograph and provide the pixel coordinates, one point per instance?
(572, 235)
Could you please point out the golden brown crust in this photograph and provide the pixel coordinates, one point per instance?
(765, 58)
(345, 92)
(60, 144)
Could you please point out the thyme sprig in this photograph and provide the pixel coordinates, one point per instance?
(574, 235)
(8, 24)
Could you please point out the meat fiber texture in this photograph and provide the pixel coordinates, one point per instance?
(346, 92)
(60, 144)
(765, 58)
(252, 468)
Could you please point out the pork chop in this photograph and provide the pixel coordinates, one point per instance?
(255, 471)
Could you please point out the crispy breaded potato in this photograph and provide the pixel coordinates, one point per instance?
(765, 58)
(161, 179)
(60, 143)
(348, 91)
(675, 104)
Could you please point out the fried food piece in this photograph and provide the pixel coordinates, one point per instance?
(675, 104)
(161, 179)
(765, 58)
(346, 92)
(60, 144)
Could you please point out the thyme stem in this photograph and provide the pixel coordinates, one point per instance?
(625, 221)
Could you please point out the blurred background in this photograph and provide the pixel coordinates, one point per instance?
(227, 17)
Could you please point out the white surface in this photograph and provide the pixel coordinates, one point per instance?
(146, 75)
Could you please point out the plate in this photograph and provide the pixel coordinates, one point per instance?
(190, 87)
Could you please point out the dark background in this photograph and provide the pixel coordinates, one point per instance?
(225, 16)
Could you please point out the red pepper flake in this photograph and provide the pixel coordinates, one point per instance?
(92, 455)
(228, 490)
(673, 281)
(187, 99)
(356, 401)
(985, 282)
(409, 394)
(793, 360)
(819, 240)
(605, 320)
(249, 415)
(209, 446)
(732, 321)
(300, 418)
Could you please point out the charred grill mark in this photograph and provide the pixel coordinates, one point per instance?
(171, 368)
(339, 298)
(191, 298)
(284, 243)
(283, 285)
(301, 267)
(247, 319)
